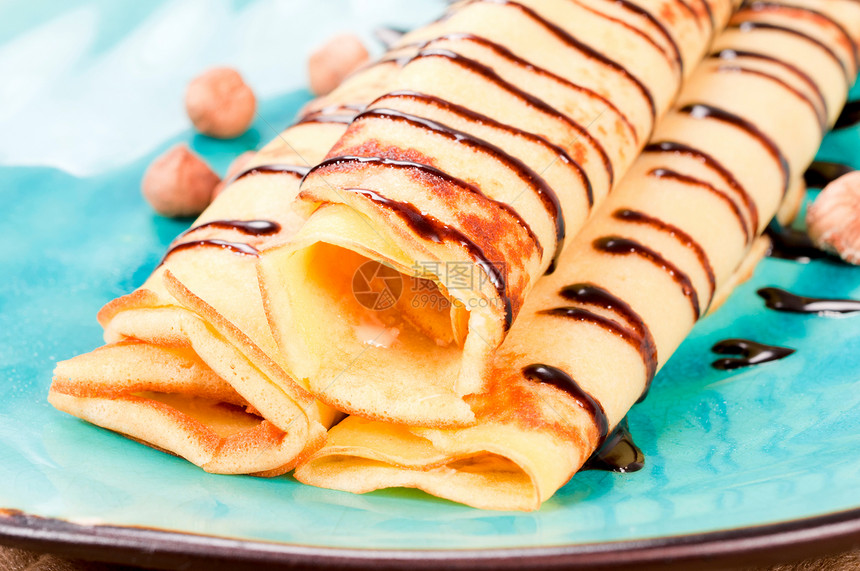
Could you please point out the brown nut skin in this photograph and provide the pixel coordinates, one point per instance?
(178, 183)
(334, 60)
(237, 166)
(833, 220)
(220, 104)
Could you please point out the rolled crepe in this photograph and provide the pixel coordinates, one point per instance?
(443, 203)
(632, 284)
(190, 364)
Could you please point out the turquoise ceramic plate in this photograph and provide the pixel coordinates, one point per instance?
(736, 461)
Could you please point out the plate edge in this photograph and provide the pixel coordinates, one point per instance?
(779, 542)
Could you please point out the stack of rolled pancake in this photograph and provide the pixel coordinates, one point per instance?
(492, 141)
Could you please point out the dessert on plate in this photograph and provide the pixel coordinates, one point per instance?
(500, 140)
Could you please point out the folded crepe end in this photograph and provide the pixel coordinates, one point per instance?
(393, 335)
(362, 456)
(168, 399)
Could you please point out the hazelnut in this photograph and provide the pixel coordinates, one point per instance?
(333, 61)
(220, 104)
(833, 220)
(178, 183)
(237, 166)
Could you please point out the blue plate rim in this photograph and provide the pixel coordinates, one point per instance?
(763, 544)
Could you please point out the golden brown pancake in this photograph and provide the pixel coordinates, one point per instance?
(497, 131)
(191, 366)
(681, 229)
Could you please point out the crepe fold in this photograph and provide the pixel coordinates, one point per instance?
(190, 364)
(493, 134)
(684, 225)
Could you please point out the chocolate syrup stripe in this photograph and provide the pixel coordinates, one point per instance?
(685, 239)
(625, 246)
(821, 173)
(618, 453)
(561, 380)
(475, 117)
(335, 113)
(433, 229)
(590, 52)
(250, 227)
(822, 119)
(668, 174)
(584, 315)
(749, 26)
(710, 12)
(504, 52)
(782, 300)
(791, 244)
(849, 116)
(636, 9)
(713, 164)
(641, 338)
(270, 169)
(388, 36)
(539, 104)
(433, 171)
(704, 111)
(536, 182)
(731, 54)
(689, 9)
(323, 118)
(237, 247)
(590, 294)
(671, 60)
(762, 5)
(751, 353)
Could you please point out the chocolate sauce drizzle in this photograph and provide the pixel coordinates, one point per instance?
(475, 117)
(250, 227)
(341, 118)
(625, 246)
(636, 9)
(762, 5)
(732, 54)
(296, 170)
(537, 183)
(437, 231)
(433, 171)
(561, 380)
(582, 315)
(338, 112)
(237, 247)
(618, 453)
(689, 9)
(749, 26)
(790, 244)
(685, 239)
(490, 75)
(590, 294)
(822, 119)
(713, 164)
(704, 111)
(507, 54)
(821, 173)
(751, 353)
(849, 116)
(692, 181)
(782, 300)
(633, 30)
(587, 50)
(388, 36)
(710, 13)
